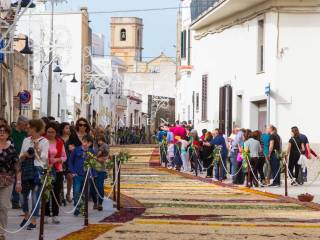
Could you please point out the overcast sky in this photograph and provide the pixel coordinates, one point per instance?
(159, 27)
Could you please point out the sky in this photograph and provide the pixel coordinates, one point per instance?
(159, 26)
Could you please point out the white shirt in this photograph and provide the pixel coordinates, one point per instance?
(171, 150)
(42, 159)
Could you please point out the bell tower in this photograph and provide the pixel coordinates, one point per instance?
(126, 40)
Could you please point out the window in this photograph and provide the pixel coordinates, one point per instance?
(197, 102)
(136, 117)
(58, 114)
(204, 103)
(123, 35)
(260, 46)
(183, 44)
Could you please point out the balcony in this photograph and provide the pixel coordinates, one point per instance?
(134, 96)
(200, 6)
(122, 103)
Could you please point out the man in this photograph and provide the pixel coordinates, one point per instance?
(274, 147)
(265, 139)
(309, 151)
(18, 134)
(238, 177)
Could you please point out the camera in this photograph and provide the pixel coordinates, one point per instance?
(30, 151)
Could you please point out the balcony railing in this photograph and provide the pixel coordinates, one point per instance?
(200, 6)
(133, 95)
(122, 102)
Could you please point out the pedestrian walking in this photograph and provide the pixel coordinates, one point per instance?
(9, 174)
(34, 159)
(18, 134)
(76, 164)
(57, 156)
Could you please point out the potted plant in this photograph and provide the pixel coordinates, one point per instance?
(305, 197)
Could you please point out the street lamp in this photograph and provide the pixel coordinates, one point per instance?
(74, 80)
(57, 68)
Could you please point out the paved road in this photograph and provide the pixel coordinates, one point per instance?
(171, 205)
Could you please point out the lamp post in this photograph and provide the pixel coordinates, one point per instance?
(50, 64)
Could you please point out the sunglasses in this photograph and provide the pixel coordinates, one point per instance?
(3, 131)
(83, 125)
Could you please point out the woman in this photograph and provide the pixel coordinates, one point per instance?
(206, 154)
(194, 150)
(65, 135)
(253, 146)
(34, 158)
(9, 171)
(257, 135)
(295, 149)
(57, 156)
(82, 128)
(220, 141)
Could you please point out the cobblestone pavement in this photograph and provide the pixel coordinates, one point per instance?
(163, 204)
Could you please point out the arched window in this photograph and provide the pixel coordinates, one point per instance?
(123, 35)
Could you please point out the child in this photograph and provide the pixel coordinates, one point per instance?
(171, 154)
(76, 164)
(184, 154)
(102, 150)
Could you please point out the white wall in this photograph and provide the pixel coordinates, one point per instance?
(67, 35)
(230, 57)
(157, 84)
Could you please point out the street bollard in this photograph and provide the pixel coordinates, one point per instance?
(285, 178)
(114, 178)
(86, 194)
(42, 213)
(118, 185)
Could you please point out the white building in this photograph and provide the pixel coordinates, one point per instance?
(153, 78)
(185, 105)
(70, 37)
(240, 47)
(107, 98)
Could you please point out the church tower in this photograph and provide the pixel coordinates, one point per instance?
(126, 40)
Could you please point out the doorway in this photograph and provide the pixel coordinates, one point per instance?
(258, 115)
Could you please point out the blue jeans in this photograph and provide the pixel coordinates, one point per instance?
(30, 186)
(99, 182)
(177, 157)
(223, 171)
(78, 184)
(234, 165)
(275, 165)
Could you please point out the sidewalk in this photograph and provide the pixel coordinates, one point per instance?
(68, 224)
(312, 187)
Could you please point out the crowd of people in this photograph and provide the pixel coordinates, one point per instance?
(130, 135)
(253, 158)
(30, 148)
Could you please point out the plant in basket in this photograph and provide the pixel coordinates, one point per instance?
(305, 197)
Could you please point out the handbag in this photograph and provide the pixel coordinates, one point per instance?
(303, 159)
(239, 157)
(27, 169)
(5, 180)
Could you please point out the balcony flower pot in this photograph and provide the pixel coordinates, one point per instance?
(306, 197)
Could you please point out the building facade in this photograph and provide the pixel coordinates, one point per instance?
(126, 40)
(186, 96)
(251, 66)
(72, 52)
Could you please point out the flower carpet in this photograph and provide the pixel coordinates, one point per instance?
(163, 204)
